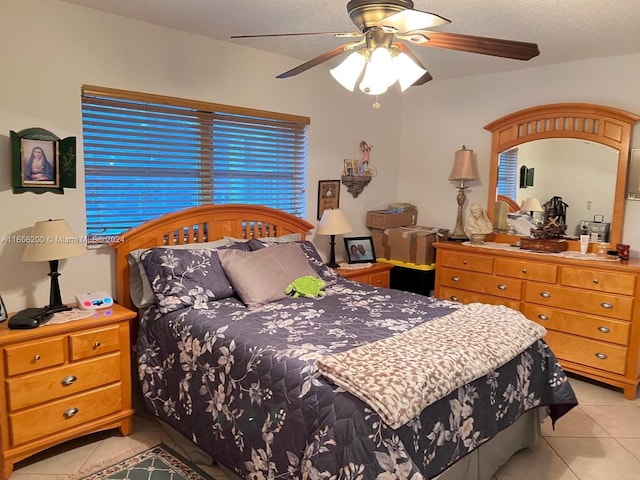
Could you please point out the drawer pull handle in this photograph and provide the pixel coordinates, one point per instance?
(524, 270)
(68, 380)
(464, 262)
(601, 356)
(455, 278)
(36, 357)
(596, 281)
(543, 317)
(606, 305)
(454, 298)
(96, 344)
(604, 329)
(545, 294)
(70, 412)
(502, 286)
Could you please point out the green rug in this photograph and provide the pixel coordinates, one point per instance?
(157, 463)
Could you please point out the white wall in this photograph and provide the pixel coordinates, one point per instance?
(439, 117)
(52, 48)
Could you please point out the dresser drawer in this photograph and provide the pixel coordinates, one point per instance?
(597, 328)
(467, 261)
(40, 387)
(620, 283)
(34, 356)
(540, 272)
(94, 342)
(592, 353)
(465, 296)
(54, 417)
(608, 305)
(502, 287)
(380, 280)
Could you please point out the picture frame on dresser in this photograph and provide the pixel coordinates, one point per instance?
(360, 249)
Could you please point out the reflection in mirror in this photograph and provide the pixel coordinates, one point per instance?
(583, 173)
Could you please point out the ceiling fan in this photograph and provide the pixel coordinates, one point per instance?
(380, 51)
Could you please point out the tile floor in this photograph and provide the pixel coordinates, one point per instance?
(599, 440)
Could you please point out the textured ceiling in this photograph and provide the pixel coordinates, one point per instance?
(565, 30)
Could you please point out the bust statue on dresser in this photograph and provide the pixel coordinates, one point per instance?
(478, 224)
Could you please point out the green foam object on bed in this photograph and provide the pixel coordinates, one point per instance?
(306, 286)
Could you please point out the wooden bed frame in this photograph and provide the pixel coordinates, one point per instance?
(213, 222)
(201, 224)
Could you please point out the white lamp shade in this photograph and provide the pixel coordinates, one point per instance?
(52, 240)
(408, 71)
(379, 74)
(531, 204)
(463, 166)
(348, 72)
(333, 222)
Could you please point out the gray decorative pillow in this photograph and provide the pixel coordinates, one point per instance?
(185, 278)
(309, 249)
(261, 276)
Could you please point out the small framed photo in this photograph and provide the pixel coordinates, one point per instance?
(39, 163)
(328, 195)
(359, 250)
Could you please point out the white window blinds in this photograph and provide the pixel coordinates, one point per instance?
(147, 155)
(508, 173)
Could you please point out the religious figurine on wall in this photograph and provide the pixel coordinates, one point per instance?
(478, 223)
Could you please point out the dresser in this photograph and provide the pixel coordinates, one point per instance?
(62, 381)
(377, 275)
(590, 308)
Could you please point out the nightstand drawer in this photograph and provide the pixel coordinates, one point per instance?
(380, 280)
(37, 388)
(94, 342)
(54, 417)
(34, 356)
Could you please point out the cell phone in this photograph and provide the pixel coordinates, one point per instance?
(3, 311)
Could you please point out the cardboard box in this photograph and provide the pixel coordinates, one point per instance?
(380, 242)
(415, 244)
(389, 219)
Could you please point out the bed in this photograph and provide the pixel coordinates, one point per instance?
(299, 387)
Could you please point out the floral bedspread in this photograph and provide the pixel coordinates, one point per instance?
(243, 384)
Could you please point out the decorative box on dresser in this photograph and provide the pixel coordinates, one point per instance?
(590, 308)
(61, 381)
(377, 275)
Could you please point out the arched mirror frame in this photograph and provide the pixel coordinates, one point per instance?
(595, 123)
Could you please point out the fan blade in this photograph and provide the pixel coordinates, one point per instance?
(405, 49)
(483, 45)
(319, 59)
(409, 20)
(335, 34)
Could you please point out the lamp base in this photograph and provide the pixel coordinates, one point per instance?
(332, 257)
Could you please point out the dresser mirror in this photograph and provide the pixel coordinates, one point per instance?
(577, 142)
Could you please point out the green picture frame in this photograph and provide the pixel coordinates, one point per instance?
(42, 162)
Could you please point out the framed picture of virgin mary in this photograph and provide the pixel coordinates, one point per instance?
(42, 162)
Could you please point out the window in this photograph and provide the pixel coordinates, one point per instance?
(508, 173)
(147, 155)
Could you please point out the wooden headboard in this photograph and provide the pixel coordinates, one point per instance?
(201, 224)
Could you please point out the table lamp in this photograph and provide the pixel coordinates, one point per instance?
(52, 240)
(464, 169)
(531, 205)
(333, 222)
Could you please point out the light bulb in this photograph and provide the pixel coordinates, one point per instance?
(379, 74)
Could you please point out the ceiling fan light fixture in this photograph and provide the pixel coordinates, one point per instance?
(379, 73)
(348, 72)
(407, 70)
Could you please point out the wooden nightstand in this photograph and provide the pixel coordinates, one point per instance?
(377, 275)
(63, 381)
